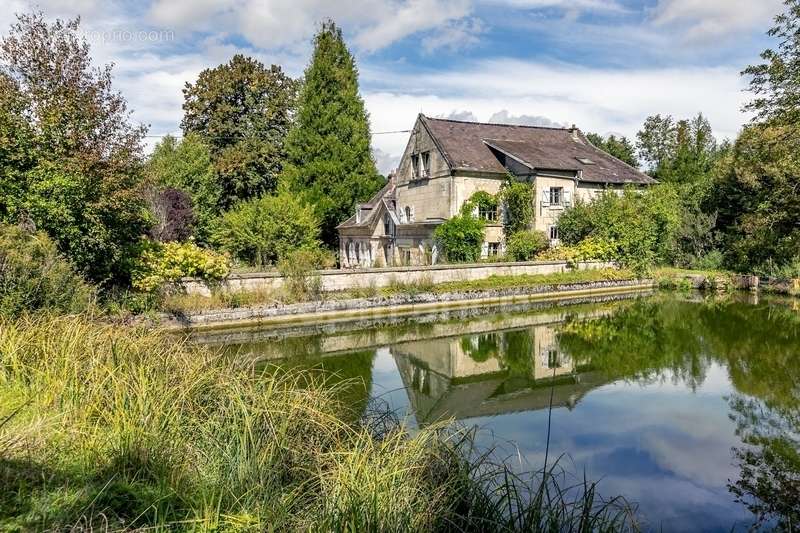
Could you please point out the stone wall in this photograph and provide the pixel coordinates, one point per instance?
(340, 280)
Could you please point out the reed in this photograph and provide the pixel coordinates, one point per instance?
(107, 427)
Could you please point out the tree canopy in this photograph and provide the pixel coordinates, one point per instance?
(329, 162)
(70, 156)
(242, 111)
(619, 147)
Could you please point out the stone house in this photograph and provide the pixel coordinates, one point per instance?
(447, 161)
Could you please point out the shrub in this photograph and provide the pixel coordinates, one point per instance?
(298, 269)
(460, 238)
(576, 223)
(483, 201)
(34, 276)
(262, 231)
(524, 245)
(589, 249)
(518, 201)
(162, 263)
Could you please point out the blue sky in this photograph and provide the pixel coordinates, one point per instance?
(601, 64)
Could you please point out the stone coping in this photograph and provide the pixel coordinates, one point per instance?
(389, 270)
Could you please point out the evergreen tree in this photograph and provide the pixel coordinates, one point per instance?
(242, 111)
(328, 150)
(619, 147)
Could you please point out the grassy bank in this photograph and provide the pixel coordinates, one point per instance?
(107, 427)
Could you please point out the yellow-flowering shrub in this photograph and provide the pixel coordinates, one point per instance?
(161, 263)
(589, 249)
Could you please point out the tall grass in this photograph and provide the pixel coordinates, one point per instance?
(108, 427)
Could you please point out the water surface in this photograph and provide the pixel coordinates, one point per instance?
(687, 406)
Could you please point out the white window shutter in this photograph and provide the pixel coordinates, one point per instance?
(485, 249)
(546, 197)
(475, 212)
(412, 214)
(567, 198)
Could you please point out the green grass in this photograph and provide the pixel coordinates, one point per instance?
(535, 280)
(115, 428)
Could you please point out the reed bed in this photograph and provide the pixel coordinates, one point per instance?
(107, 427)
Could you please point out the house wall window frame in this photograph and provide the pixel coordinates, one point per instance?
(425, 164)
(556, 196)
(552, 232)
(493, 249)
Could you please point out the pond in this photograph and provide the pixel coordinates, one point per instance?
(688, 406)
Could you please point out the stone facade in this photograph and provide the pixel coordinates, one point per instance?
(446, 162)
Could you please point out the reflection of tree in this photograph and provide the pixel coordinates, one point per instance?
(518, 355)
(641, 341)
(769, 480)
(481, 348)
(759, 345)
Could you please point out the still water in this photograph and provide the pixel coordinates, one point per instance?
(687, 406)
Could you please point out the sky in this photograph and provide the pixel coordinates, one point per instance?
(603, 65)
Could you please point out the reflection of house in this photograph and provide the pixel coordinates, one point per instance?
(463, 377)
(447, 161)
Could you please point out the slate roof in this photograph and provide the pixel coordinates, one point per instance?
(380, 197)
(466, 146)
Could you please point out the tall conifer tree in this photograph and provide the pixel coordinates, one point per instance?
(328, 150)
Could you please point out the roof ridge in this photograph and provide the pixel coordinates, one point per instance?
(496, 124)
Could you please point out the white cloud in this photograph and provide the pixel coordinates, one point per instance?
(374, 24)
(599, 100)
(704, 20)
(456, 35)
(568, 5)
(504, 117)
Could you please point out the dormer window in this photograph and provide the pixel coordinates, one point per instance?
(409, 213)
(414, 166)
(584, 161)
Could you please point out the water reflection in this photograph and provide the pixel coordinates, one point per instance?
(690, 407)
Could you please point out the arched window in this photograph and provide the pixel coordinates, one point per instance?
(408, 213)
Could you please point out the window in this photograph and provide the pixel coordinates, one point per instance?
(493, 249)
(490, 215)
(387, 224)
(426, 164)
(406, 256)
(553, 233)
(556, 195)
(414, 166)
(553, 361)
(409, 212)
(585, 161)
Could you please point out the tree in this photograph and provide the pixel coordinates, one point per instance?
(70, 157)
(619, 147)
(756, 196)
(242, 110)
(172, 209)
(264, 230)
(683, 151)
(776, 82)
(329, 161)
(186, 165)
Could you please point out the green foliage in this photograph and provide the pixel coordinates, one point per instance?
(163, 263)
(591, 248)
(264, 230)
(682, 151)
(242, 110)
(619, 147)
(641, 225)
(187, 166)
(776, 81)
(525, 245)
(517, 198)
(483, 200)
(70, 158)
(461, 238)
(757, 200)
(329, 160)
(34, 276)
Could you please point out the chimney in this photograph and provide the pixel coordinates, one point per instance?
(574, 132)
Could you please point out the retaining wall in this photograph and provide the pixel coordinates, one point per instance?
(340, 280)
